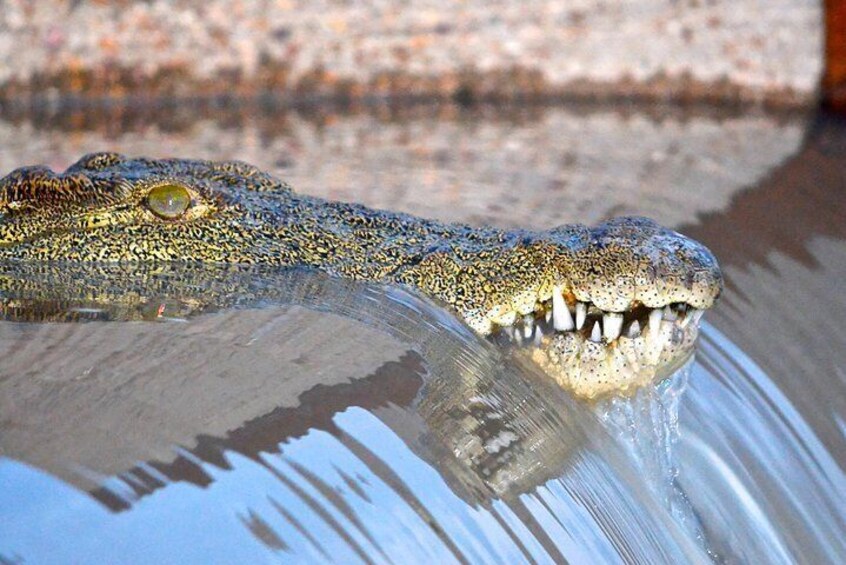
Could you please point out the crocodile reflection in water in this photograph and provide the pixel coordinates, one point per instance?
(608, 306)
(493, 428)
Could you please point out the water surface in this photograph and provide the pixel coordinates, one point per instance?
(318, 420)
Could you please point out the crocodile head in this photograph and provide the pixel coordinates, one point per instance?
(605, 308)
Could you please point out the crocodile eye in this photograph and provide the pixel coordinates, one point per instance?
(168, 201)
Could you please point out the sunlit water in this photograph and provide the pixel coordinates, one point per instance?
(648, 425)
(361, 424)
(486, 461)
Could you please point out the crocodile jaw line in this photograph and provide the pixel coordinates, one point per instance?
(594, 353)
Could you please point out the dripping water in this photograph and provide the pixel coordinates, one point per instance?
(647, 425)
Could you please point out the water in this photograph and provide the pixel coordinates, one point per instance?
(473, 455)
(318, 420)
(648, 425)
(766, 469)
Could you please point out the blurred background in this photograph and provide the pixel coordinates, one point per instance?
(449, 109)
(693, 50)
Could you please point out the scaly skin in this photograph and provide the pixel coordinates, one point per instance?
(98, 211)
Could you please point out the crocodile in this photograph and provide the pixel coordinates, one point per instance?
(603, 309)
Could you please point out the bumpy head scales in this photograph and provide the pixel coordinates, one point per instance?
(604, 309)
(586, 289)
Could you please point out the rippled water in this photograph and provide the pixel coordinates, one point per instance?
(330, 421)
(766, 470)
(467, 454)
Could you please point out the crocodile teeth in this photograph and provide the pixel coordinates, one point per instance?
(538, 336)
(596, 333)
(670, 314)
(634, 330)
(655, 318)
(581, 314)
(562, 320)
(612, 325)
(693, 315)
(518, 336)
(528, 326)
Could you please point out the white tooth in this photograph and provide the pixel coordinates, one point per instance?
(581, 314)
(518, 337)
(634, 330)
(562, 320)
(655, 323)
(612, 325)
(547, 316)
(596, 333)
(538, 336)
(693, 315)
(528, 326)
(657, 349)
(669, 314)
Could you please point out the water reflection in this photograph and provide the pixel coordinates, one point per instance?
(535, 166)
(439, 443)
(765, 468)
(472, 453)
(782, 244)
(378, 429)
